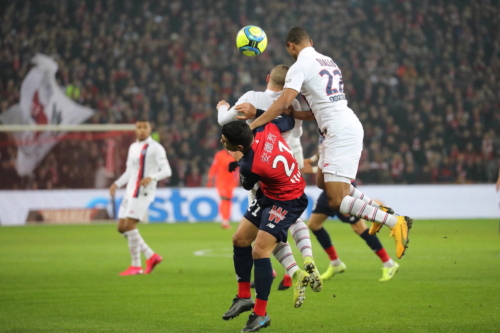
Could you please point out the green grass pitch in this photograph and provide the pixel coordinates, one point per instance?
(65, 279)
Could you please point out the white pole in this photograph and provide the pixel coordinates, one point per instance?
(68, 128)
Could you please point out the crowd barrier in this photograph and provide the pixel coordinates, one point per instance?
(201, 204)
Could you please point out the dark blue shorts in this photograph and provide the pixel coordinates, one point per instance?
(321, 207)
(273, 216)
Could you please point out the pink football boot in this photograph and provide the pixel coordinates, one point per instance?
(152, 262)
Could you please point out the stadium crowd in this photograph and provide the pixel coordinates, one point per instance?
(422, 76)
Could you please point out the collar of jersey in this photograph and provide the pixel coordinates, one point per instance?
(145, 140)
(305, 51)
(273, 93)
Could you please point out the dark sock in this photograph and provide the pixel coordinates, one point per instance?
(372, 241)
(243, 262)
(323, 238)
(263, 280)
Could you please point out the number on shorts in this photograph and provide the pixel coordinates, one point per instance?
(251, 208)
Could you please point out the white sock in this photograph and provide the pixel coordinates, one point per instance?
(388, 264)
(283, 253)
(134, 245)
(361, 209)
(361, 196)
(335, 262)
(148, 253)
(300, 234)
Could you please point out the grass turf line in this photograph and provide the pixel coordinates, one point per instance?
(65, 279)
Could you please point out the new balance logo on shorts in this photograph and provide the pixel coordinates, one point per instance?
(277, 214)
(270, 225)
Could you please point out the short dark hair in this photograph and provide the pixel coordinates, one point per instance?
(142, 120)
(278, 75)
(297, 35)
(238, 133)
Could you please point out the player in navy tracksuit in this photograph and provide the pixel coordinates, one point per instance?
(263, 156)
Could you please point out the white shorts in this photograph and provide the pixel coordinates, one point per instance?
(341, 152)
(135, 208)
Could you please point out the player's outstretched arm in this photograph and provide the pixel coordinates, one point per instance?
(278, 107)
(247, 109)
(223, 116)
(302, 115)
(226, 114)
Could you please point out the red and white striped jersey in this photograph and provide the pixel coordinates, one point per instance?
(145, 159)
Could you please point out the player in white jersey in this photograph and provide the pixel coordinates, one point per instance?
(146, 164)
(248, 104)
(318, 78)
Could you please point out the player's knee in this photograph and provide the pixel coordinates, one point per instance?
(259, 252)
(358, 228)
(314, 225)
(121, 228)
(241, 241)
(320, 181)
(334, 203)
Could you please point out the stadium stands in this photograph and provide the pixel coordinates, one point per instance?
(422, 76)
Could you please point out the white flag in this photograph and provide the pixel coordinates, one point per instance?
(42, 102)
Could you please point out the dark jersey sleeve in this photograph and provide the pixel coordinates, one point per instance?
(285, 123)
(259, 113)
(248, 179)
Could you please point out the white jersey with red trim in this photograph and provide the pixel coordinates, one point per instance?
(318, 78)
(145, 159)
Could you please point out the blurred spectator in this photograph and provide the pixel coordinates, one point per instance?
(421, 75)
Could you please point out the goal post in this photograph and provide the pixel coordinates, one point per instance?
(68, 128)
(63, 156)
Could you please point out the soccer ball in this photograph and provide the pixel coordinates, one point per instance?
(251, 40)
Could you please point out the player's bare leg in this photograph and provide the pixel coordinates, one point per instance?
(338, 193)
(336, 265)
(243, 263)
(128, 228)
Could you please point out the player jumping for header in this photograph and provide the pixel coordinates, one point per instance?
(146, 164)
(279, 202)
(319, 80)
(248, 105)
